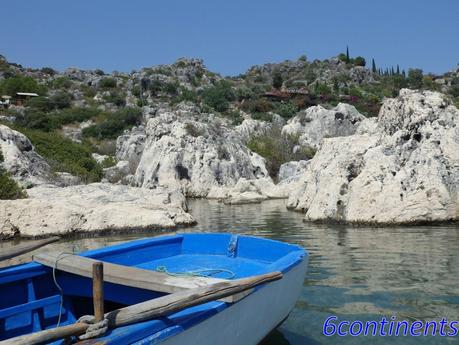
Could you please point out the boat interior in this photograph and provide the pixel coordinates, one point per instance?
(32, 300)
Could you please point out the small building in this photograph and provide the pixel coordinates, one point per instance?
(5, 101)
(22, 97)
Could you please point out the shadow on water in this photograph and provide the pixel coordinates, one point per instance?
(355, 273)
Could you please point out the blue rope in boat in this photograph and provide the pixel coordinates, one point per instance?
(205, 272)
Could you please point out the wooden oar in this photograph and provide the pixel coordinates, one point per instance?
(8, 253)
(151, 309)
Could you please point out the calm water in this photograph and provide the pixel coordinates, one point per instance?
(354, 273)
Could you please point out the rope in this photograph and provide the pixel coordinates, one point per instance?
(197, 273)
(61, 291)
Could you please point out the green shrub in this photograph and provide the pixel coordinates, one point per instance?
(47, 122)
(114, 124)
(155, 86)
(234, 116)
(268, 117)
(107, 83)
(88, 91)
(277, 79)
(61, 100)
(286, 110)
(40, 103)
(108, 162)
(187, 95)
(9, 189)
(277, 149)
(171, 88)
(136, 90)
(64, 155)
(359, 61)
(219, 96)
(73, 115)
(48, 70)
(37, 119)
(16, 84)
(61, 83)
(343, 57)
(115, 97)
(98, 71)
(243, 92)
(322, 89)
(415, 78)
(259, 105)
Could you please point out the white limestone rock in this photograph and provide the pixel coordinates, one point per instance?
(20, 158)
(407, 173)
(248, 191)
(315, 123)
(291, 171)
(91, 208)
(192, 152)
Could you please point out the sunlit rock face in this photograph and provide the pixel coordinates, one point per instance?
(315, 123)
(20, 158)
(91, 208)
(190, 151)
(407, 171)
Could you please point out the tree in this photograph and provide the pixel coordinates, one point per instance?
(359, 61)
(16, 84)
(277, 79)
(347, 54)
(373, 66)
(219, 96)
(415, 77)
(398, 69)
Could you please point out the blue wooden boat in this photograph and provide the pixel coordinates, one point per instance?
(146, 269)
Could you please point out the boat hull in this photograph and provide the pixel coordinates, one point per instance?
(248, 321)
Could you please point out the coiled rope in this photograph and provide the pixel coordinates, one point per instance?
(205, 272)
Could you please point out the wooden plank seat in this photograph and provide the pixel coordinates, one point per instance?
(130, 276)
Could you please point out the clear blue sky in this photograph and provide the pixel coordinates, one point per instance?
(230, 35)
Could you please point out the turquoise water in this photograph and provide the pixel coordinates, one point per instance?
(355, 273)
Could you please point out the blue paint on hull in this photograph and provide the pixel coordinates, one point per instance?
(29, 300)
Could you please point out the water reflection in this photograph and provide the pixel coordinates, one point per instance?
(356, 273)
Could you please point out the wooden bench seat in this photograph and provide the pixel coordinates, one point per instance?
(128, 275)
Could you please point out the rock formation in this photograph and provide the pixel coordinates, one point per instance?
(20, 159)
(407, 172)
(315, 123)
(94, 207)
(190, 151)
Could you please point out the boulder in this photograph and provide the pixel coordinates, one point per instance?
(315, 123)
(90, 208)
(117, 172)
(408, 172)
(130, 145)
(248, 191)
(20, 158)
(291, 171)
(191, 152)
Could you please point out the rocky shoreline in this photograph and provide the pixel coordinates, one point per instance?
(400, 168)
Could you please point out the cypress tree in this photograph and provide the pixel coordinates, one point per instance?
(398, 70)
(347, 54)
(392, 72)
(373, 66)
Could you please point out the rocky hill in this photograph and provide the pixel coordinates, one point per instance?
(336, 138)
